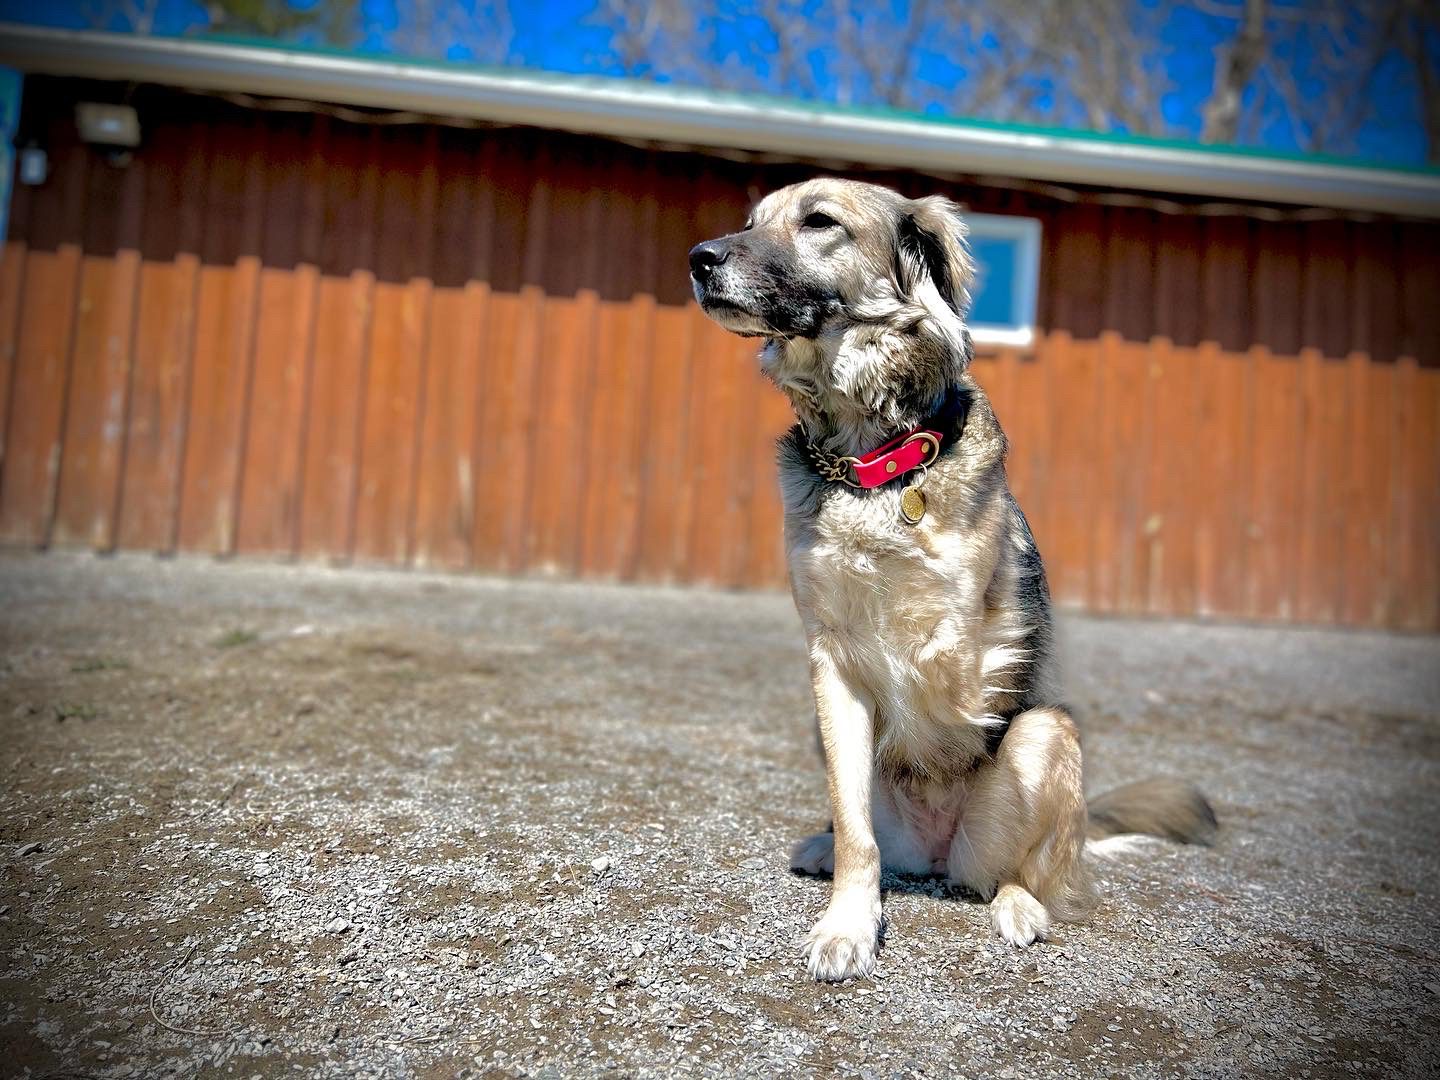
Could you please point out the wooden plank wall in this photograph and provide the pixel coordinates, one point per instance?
(285, 335)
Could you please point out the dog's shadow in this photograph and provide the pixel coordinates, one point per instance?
(931, 885)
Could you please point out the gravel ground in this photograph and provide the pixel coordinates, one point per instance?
(262, 820)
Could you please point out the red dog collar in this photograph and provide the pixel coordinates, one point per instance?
(896, 458)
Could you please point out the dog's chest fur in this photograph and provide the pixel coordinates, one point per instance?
(923, 616)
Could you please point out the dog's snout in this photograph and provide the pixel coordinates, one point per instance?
(704, 258)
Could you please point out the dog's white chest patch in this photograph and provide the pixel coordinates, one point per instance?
(901, 608)
(882, 600)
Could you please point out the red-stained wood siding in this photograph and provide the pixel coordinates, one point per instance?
(286, 335)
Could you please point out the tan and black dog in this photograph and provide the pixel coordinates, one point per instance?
(921, 591)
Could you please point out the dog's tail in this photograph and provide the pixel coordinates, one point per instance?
(1171, 809)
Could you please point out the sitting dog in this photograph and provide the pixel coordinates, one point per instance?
(921, 591)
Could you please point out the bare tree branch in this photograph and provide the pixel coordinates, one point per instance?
(1235, 65)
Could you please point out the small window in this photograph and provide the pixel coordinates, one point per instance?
(1007, 265)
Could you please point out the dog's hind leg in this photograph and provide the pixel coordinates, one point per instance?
(900, 849)
(815, 854)
(1021, 838)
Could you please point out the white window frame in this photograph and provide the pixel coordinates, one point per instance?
(1025, 284)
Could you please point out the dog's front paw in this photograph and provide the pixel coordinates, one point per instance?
(814, 855)
(843, 944)
(1018, 917)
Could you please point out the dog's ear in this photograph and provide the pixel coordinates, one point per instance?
(932, 245)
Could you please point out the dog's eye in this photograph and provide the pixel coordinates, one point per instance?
(749, 224)
(818, 220)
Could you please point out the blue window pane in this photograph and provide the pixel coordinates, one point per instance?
(993, 299)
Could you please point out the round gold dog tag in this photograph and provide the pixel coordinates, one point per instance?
(912, 505)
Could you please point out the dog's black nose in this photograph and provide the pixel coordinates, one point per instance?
(704, 258)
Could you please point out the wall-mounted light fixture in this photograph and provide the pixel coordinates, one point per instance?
(34, 165)
(108, 125)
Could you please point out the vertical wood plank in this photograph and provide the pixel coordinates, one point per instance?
(1072, 354)
(164, 336)
(617, 424)
(1124, 417)
(12, 292)
(343, 311)
(512, 359)
(566, 363)
(994, 368)
(1222, 426)
(1169, 520)
(1416, 598)
(746, 484)
(50, 292)
(12, 283)
(224, 337)
(104, 342)
(1031, 447)
(1425, 458)
(391, 416)
(662, 488)
(1325, 312)
(450, 453)
(1374, 319)
(507, 170)
(1274, 525)
(269, 513)
(664, 504)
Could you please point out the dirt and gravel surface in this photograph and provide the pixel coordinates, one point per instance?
(263, 821)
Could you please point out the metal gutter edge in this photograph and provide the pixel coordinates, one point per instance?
(642, 111)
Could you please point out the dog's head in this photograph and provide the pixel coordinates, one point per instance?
(861, 294)
(827, 252)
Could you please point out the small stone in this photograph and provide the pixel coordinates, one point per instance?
(337, 925)
(638, 948)
(27, 849)
(349, 956)
(263, 870)
(600, 865)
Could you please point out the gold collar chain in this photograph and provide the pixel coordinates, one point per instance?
(833, 467)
